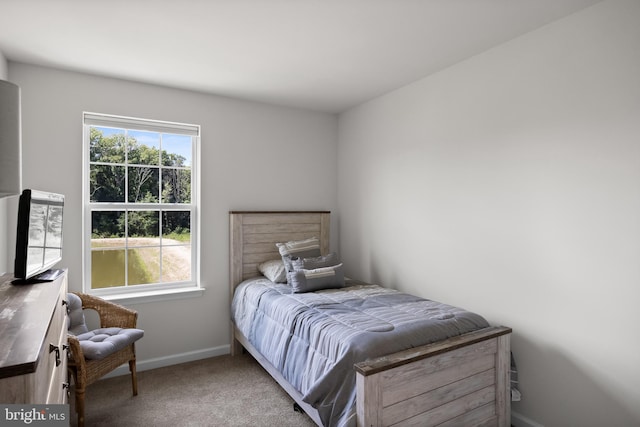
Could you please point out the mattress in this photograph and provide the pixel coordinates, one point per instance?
(315, 338)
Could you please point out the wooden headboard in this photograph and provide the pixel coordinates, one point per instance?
(254, 234)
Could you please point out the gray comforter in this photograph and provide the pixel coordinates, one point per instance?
(315, 338)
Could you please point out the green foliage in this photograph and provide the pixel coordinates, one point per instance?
(107, 224)
(181, 236)
(124, 170)
(143, 224)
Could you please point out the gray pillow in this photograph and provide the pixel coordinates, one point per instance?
(315, 262)
(77, 323)
(298, 249)
(314, 280)
(273, 270)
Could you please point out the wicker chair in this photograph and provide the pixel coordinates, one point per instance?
(87, 371)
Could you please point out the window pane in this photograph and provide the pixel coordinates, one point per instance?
(144, 148)
(176, 263)
(107, 268)
(107, 249)
(144, 228)
(176, 185)
(176, 227)
(106, 145)
(143, 184)
(106, 183)
(144, 266)
(176, 150)
(107, 229)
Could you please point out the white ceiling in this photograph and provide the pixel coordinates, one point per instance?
(325, 55)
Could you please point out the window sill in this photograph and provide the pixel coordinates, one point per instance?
(154, 296)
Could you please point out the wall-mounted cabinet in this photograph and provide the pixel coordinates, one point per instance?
(10, 140)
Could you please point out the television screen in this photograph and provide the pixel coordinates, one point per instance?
(39, 234)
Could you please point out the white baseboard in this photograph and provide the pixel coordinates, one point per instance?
(518, 420)
(173, 359)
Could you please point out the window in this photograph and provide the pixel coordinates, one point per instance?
(141, 206)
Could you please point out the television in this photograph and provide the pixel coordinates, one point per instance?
(38, 236)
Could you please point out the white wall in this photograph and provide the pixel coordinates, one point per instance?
(3, 201)
(253, 157)
(509, 184)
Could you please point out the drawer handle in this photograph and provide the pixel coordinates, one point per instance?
(66, 387)
(55, 348)
(65, 302)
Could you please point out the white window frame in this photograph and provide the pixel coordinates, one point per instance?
(142, 292)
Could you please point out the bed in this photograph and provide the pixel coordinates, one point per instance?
(460, 380)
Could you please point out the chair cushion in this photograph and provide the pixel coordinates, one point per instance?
(77, 324)
(102, 342)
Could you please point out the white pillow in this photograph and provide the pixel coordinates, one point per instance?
(274, 270)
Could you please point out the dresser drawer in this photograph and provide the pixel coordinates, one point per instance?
(58, 357)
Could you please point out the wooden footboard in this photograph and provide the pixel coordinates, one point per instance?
(462, 381)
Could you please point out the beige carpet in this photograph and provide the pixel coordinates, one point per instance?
(221, 391)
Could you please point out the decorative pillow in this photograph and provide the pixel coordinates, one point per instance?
(298, 249)
(273, 270)
(314, 280)
(315, 262)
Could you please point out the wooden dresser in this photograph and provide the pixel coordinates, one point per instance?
(33, 341)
